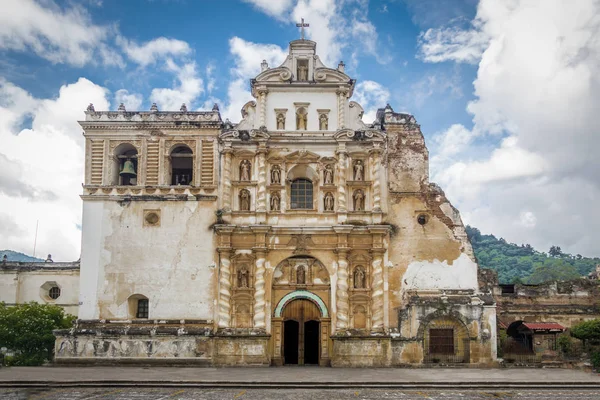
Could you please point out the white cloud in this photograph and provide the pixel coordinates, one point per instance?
(452, 44)
(154, 50)
(371, 96)
(186, 90)
(49, 158)
(276, 9)
(132, 101)
(247, 59)
(537, 85)
(60, 36)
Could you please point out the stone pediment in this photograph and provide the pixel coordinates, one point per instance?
(347, 135)
(279, 74)
(330, 75)
(244, 135)
(302, 156)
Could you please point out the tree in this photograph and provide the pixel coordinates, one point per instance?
(27, 330)
(552, 270)
(555, 251)
(588, 330)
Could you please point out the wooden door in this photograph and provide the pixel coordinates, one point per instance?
(300, 311)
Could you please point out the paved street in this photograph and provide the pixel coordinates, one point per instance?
(259, 394)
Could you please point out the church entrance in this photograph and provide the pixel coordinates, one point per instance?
(301, 329)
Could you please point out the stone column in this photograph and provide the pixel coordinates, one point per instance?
(377, 290)
(227, 159)
(342, 161)
(342, 304)
(261, 196)
(376, 163)
(225, 288)
(342, 94)
(259, 290)
(262, 99)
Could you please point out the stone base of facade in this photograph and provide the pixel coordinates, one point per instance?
(165, 342)
(361, 351)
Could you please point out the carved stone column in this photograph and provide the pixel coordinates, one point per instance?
(259, 290)
(225, 288)
(342, 161)
(262, 99)
(342, 95)
(376, 163)
(377, 290)
(261, 197)
(342, 303)
(227, 159)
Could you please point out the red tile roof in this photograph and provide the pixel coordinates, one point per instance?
(544, 326)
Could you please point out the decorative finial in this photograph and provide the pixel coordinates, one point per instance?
(215, 107)
(302, 25)
(154, 107)
(183, 108)
(264, 66)
(388, 108)
(121, 108)
(341, 66)
(91, 108)
(49, 258)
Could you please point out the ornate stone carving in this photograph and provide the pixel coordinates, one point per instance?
(323, 122)
(377, 291)
(275, 201)
(359, 200)
(244, 200)
(281, 121)
(301, 119)
(243, 277)
(259, 292)
(245, 168)
(359, 170)
(342, 182)
(225, 290)
(301, 275)
(328, 174)
(359, 278)
(342, 291)
(328, 202)
(275, 175)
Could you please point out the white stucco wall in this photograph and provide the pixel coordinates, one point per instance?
(317, 100)
(170, 264)
(424, 275)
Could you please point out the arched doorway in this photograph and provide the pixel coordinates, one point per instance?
(300, 320)
(301, 327)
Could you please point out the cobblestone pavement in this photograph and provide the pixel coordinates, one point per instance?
(256, 394)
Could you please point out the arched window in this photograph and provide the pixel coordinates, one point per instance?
(182, 166)
(125, 171)
(142, 308)
(302, 194)
(139, 306)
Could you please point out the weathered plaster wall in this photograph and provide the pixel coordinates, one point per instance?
(171, 264)
(22, 283)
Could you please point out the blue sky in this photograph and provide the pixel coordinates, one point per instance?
(505, 93)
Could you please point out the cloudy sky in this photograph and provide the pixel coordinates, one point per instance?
(506, 93)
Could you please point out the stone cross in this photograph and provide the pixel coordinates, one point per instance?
(302, 25)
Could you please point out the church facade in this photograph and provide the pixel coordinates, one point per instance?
(300, 235)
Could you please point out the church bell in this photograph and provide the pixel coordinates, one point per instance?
(128, 170)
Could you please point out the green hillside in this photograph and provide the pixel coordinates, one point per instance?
(16, 256)
(522, 263)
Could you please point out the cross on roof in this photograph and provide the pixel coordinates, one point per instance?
(302, 25)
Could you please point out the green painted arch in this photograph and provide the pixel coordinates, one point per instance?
(301, 294)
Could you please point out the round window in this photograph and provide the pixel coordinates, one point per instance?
(422, 219)
(54, 292)
(152, 218)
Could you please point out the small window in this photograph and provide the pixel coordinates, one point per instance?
(441, 341)
(302, 194)
(182, 166)
(54, 292)
(142, 308)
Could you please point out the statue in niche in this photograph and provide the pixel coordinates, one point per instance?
(276, 175)
(244, 200)
(328, 202)
(301, 119)
(302, 72)
(359, 278)
(281, 121)
(323, 122)
(301, 275)
(245, 170)
(359, 170)
(359, 200)
(328, 174)
(242, 277)
(275, 201)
